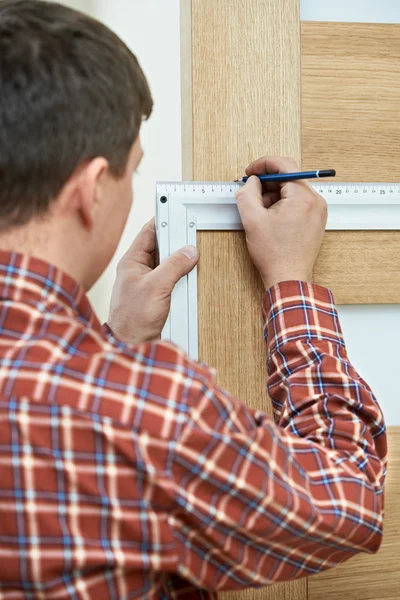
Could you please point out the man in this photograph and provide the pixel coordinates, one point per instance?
(126, 472)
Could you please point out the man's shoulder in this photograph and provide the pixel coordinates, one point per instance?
(123, 381)
(157, 359)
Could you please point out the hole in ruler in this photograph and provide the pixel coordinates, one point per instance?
(163, 199)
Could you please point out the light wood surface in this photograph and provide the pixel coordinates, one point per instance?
(230, 318)
(246, 84)
(245, 69)
(370, 577)
(351, 99)
(350, 121)
(361, 267)
(358, 266)
(231, 340)
(280, 591)
(244, 102)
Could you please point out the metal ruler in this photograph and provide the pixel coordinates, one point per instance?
(183, 208)
(351, 205)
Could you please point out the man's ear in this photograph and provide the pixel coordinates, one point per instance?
(88, 189)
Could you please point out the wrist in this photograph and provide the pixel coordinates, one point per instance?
(121, 331)
(271, 281)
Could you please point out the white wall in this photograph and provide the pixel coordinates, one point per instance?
(366, 11)
(151, 29)
(84, 5)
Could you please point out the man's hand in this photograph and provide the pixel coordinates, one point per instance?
(141, 296)
(284, 222)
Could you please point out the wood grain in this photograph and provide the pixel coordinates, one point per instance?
(231, 340)
(245, 103)
(246, 84)
(370, 577)
(350, 121)
(230, 319)
(280, 591)
(351, 99)
(360, 267)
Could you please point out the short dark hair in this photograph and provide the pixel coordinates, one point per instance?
(70, 90)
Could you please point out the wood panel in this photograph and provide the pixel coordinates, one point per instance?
(245, 102)
(246, 84)
(370, 577)
(230, 318)
(350, 121)
(360, 267)
(231, 340)
(351, 99)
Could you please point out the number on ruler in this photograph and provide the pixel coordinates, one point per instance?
(340, 189)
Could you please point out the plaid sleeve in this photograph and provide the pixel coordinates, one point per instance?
(259, 501)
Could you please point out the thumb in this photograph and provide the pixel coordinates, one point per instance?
(249, 199)
(176, 266)
(143, 246)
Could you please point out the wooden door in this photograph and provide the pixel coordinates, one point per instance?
(245, 95)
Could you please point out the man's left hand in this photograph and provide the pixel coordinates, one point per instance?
(141, 296)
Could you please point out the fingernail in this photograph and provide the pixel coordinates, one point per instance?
(190, 251)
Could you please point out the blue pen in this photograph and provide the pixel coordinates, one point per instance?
(281, 177)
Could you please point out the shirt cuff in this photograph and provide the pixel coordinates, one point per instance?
(295, 310)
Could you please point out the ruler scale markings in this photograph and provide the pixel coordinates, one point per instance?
(352, 205)
(330, 189)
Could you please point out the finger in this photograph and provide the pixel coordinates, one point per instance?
(272, 164)
(249, 199)
(144, 246)
(176, 266)
(146, 240)
(271, 187)
(271, 198)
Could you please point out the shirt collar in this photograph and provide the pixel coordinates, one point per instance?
(30, 280)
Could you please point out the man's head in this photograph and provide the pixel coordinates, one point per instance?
(72, 99)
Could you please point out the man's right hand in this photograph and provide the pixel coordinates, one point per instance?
(284, 222)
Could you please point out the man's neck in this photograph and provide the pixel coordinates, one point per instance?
(42, 241)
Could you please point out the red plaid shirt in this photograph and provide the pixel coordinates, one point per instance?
(126, 472)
